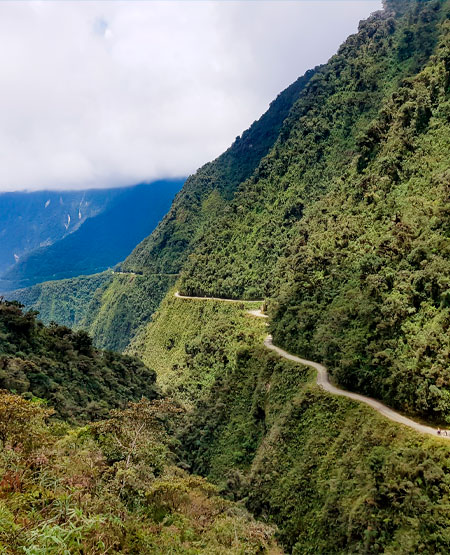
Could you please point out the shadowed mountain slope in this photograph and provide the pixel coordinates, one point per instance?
(101, 241)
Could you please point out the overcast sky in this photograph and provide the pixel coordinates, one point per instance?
(97, 94)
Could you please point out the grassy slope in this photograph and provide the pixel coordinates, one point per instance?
(332, 474)
(174, 339)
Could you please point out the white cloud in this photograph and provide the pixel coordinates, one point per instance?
(100, 94)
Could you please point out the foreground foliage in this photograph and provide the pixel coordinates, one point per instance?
(110, 487)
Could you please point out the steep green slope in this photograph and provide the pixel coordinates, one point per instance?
(183, 330)
(117, 313)
(320, 142)
(64, 301)
(332, 474)
(368, 273)
(61, 366)
(345, 224)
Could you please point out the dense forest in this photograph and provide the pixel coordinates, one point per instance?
(111, 305)
(344, 226)
(65, 301)
(61, 366)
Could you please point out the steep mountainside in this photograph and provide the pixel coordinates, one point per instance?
(345, 224)
(101, 241)
(120, 310)
(208, 190)
(344, 229)
(321, 142)
(332, 474)
(61, 366)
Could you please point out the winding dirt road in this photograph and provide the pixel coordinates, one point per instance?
(323, 379)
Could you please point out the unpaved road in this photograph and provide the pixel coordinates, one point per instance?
(323, 379)
(178, 296)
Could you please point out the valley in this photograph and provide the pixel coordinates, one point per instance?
(266, 369)
(98, 239)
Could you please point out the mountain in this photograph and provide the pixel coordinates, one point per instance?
(340, 226)
(344, 225)
(332, 474)
(101, 241)
(107, 485)
(35, 219)
(119, 311)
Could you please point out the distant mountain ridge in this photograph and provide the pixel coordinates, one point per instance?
(29, 220)
(116, 221)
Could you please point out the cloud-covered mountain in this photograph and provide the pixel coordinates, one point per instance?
(47, 235)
